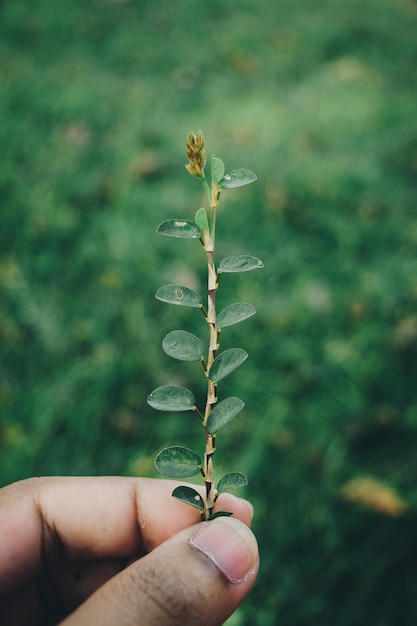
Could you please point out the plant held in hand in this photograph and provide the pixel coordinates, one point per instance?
(178, 461)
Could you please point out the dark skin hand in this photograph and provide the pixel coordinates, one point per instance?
(119, 551)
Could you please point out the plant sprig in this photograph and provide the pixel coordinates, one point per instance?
(178, 461)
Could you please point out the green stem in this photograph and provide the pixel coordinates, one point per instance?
(212, 280)
(213, 224)
(206, 187)
(208, 474)
(212, 351)
(211, 387)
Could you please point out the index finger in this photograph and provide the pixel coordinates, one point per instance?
(50, 520)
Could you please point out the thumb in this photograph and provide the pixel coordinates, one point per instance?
(199, 576)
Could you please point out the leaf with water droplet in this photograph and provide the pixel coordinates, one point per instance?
(183, 229)
(177, 294)
(237, 178)
(189, 496)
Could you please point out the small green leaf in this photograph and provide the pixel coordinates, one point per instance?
(178, 462)
(185, 229)
(242, 263)
(237, 178)
(223, 413)
(177, 294)
(232, 481)
(226, 362)
(217, 169)
(189, 496)
(220, 514)
(183, 346)
(235, 313)
(201, 219)
(172, 398)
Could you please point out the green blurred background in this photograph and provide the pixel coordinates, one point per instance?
(319, 99)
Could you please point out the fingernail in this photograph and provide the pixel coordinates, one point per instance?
(230, 546)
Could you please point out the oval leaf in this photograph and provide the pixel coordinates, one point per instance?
(201, 219)
(220, 514)
(185, 229)
(226, 362)
(223, 413)
(178, 462)
(237, 178)
(177, 294)
(217, 169)
(183, 346)
(189, 496)
(242, 263)
(232, 481)
(235, 313)
(172, 398)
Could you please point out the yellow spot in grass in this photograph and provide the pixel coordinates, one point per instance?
(371, 494)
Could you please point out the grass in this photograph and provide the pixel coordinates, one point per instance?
(319, 100)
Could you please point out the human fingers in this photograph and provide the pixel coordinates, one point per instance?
(198, 576)
(94, 524)
(83, 518)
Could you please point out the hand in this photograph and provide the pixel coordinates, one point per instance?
(119, 551)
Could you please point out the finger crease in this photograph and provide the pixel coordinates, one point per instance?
(52, 551)
(142, 548)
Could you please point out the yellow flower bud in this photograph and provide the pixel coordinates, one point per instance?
(196, 154)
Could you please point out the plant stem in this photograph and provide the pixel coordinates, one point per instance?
(206, 187)
(212, 351)
(211, 387)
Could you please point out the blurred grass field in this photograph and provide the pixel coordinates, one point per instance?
(319, 99)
